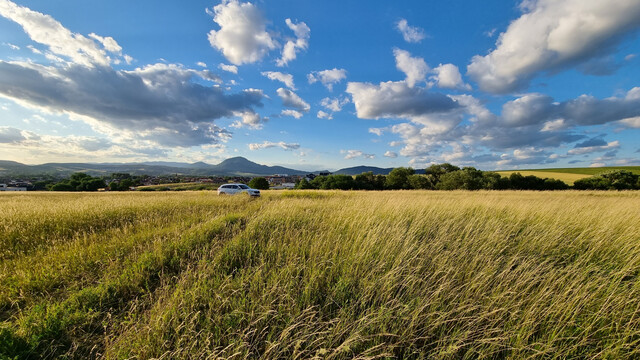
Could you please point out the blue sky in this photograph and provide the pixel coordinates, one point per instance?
(322, 84)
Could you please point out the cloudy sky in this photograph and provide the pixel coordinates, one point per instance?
(322, 84)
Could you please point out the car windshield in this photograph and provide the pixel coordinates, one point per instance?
(244, 187)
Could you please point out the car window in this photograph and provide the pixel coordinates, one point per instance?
(224, 187)
(244, 187)
(235, 186)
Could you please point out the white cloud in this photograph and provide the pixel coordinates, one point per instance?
(411, 34)
(159, 103)
(204, 65)
(632, 122)
(377, 131)
(242, 37)
(327, 77)
(12, 46)
(554, 125)
(448, 76)
(270, 144)
(45, 30)
(324, 115)
(391, 154)
(228, 68)
(415, 68)
(552, 35)
(291, 47)
(286, 79)
(292, 100)
(108, 43)
(589, 149)
(293, 113)
(353, 154)
(334, 104)
(396, 100)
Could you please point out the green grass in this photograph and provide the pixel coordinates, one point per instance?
(315, 274)
(179, 187)
(585, 171)
(569, 175)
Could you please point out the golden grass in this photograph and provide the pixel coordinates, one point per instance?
(313, 274)
(568, 178)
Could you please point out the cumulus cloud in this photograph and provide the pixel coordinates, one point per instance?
(269, 144)
(353, 154)
(293, 113)
(334, 104)
(396, 100)
(11, 135)
(323, 115)
(415, 68)
(391, 154)
(584, 110)
(204, 65)
(327, 77)
(286, 79)
(45, 30)
(292, 100)
(411, 34)
(377, 131)
(581, 149)
(242, 37)
(159, 102)
(291, 47)
(228, 68)
(448, 76)
(632, 122)
(552, 35)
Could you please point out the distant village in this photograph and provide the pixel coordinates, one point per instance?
(43, 183)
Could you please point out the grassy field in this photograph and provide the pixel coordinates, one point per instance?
(324, 275)
(178, 187)
(568, 178)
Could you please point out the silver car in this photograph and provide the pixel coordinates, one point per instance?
(232, 189)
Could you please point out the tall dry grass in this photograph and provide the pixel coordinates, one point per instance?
(443, 275)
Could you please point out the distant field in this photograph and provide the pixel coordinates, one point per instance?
(569, 175)
(178, 187)
(319, 274)
(568, 178)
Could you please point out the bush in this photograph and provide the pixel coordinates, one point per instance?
(612, 180)
(398, 178)
(259, 183)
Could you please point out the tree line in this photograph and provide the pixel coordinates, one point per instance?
(450, 177)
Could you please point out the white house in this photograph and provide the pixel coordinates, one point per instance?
(4, 187)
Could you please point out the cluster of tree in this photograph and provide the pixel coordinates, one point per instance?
(85, 182)
(79, 182)
(259, 183)
(436, 177)
(612, 180)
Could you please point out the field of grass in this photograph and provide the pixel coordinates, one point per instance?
(324, 275)
(178, 187)
(569, 175)
(568, 178)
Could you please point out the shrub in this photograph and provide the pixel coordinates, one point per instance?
(259, 183)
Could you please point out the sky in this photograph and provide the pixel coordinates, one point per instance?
(326, 84)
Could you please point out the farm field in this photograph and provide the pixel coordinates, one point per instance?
(569, 175)
(320, 274)
(568, 178)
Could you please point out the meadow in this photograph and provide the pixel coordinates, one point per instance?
(320, 274)
(570, 175)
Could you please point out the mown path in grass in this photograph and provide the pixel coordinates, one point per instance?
(304, 274)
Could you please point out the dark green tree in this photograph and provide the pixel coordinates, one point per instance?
(259, 183)
(398, 178)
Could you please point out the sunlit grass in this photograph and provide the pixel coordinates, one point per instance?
(313, 274)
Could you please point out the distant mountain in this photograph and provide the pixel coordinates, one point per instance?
(237, 166)
(357, 170)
